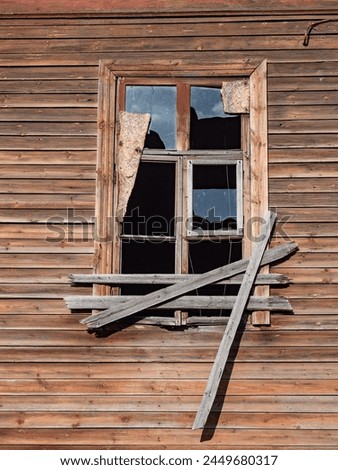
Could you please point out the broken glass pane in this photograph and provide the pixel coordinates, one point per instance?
(210, 127)
(160, 103)
(214, 198)
(151, 207)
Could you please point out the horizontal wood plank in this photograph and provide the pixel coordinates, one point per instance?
(316, 200)
(303, 126)
(156, 403)
(41, 113)
(161, 7)
(113, 28)
(173, 387)
(56, 100)
(144, 371)
(303, 140)
(304, 185)
(297, 156)
(308, 214)
(48, 143)
(313, 276)
(184, 302)
(59, 201)
(146, 336)
(42, 275)
(120, 279)
(307, 112)
(171, 438)
(56, 260)
(304, 170)
(40, 216)
(312, 83)
(159, 420)
(39, 73)
(42, 128)
(166, 354)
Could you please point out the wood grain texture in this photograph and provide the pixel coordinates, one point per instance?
(144, 383)
(160, 6)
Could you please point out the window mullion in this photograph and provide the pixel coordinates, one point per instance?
(183, 116)
(183, 144)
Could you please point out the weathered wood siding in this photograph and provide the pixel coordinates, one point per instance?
(140, 388)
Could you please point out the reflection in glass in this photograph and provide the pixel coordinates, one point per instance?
(214, 197)
(210, 127)
(160, 102)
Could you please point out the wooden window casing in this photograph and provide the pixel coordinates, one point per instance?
(254, 148)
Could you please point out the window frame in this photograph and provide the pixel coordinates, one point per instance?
(211, 160)
(255, 155)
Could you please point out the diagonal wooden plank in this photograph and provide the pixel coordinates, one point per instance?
(233, 323)
(176, 290)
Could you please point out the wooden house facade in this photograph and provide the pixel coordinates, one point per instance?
(66, 69)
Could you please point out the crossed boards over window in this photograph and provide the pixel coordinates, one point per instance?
(177, 290)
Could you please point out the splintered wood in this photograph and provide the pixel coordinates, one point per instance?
(133, 131)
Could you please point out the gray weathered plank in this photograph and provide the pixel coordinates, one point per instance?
(120, 279)
(233, 323)
(81, 302)
(176, 290)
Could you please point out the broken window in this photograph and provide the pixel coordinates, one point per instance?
(151, 206)
(210, 126)
(214, 200)
(184, 214)
(160, 103)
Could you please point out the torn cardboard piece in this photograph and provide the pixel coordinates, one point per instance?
(133, 131)
(236, 96)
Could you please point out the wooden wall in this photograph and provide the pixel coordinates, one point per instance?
(61, 387)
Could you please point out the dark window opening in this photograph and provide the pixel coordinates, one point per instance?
(210, 127)
(151, 207)
(203, 186)
(207, 255)
(147, 257)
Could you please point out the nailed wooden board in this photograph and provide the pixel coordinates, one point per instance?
(229, 334)
(177, 290)
(120, 279)
(184, 302)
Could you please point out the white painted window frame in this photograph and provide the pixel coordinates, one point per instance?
(238, 233)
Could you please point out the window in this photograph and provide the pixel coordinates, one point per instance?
(187, 200)
(202, 176)
(214, 197)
